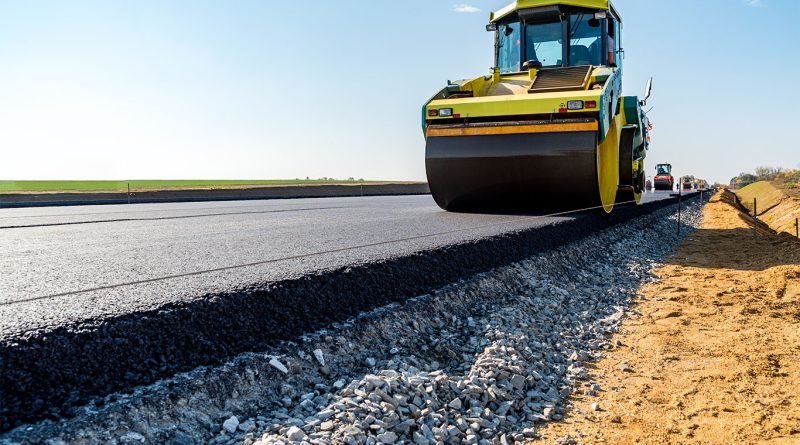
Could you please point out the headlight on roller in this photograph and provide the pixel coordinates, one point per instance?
(445, 112)
(575, 105)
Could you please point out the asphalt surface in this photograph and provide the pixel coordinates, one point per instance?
(66, 265)
(101, 299)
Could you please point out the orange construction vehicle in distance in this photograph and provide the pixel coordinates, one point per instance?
(663, 179)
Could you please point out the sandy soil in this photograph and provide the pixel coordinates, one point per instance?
(714, 357)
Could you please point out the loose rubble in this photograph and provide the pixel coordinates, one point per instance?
(479, 362)
(488, 378)
(231, 425)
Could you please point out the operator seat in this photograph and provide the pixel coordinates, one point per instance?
(595, 52)
(579, 55)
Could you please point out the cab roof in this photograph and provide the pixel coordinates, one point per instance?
(526, 4)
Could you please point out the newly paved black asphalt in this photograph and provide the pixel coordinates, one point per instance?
(65, 265)
(95, 300)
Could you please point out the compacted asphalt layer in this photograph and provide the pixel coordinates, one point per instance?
(66, 265)
(102, 298)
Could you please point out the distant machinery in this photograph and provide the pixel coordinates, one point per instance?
(664, 179)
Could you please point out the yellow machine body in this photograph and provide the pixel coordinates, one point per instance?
(534, 137)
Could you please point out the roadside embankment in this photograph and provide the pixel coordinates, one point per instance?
(712, 356)
(488, 359)
(8, 200)
(775, 207)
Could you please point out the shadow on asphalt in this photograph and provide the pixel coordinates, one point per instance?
(547, 212)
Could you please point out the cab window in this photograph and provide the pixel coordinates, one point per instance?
(508, 47)
(544, 43)
(617, 33)
(585, 40)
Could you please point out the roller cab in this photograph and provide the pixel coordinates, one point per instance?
(548, 128)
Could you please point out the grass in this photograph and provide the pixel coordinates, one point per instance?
(790, 185)
(764, 192)
(151, 185)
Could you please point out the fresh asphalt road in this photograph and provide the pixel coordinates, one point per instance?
(65, 265)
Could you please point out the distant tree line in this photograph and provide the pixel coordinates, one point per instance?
(789, 178)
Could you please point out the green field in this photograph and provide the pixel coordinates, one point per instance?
(150, 185)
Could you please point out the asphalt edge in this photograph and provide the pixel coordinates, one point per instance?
(52, 374)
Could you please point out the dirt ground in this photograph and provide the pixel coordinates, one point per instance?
(714, 357)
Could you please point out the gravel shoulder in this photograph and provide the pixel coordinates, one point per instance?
(712, 355)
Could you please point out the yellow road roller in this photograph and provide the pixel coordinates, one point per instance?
(548, 128)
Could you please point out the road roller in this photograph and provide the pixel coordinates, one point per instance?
(688, 183)
(664, 179)
(548, 129)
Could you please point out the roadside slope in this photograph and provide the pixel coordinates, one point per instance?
(712, 357)
(775, 207)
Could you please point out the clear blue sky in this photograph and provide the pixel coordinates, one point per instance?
(283, 89)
